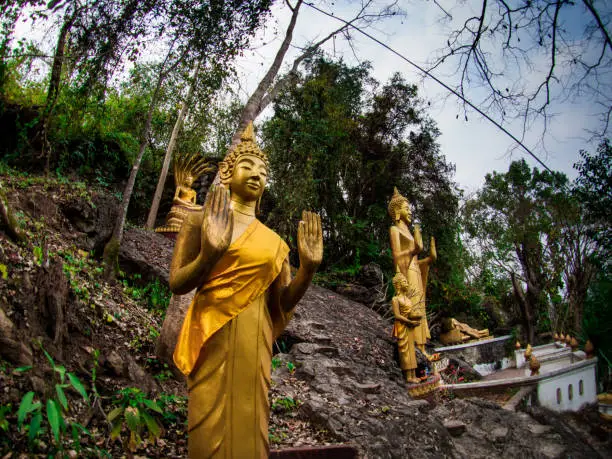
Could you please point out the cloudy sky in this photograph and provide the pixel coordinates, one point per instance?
(476, 147)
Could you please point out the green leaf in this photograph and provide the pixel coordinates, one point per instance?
(53, 416)
(152, 424)
(34, 426)
(132, 417)
(61, 396)
(81, 428)
(24, 408)
(62, 372)
(114, 413)
(115, 431)
(23, 369)
(49, 358)
(152, 406)
(76, 383)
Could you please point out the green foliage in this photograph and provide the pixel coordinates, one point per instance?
(515, 226)
(338, 143)
(276, 362)
(593, 188)
(155, 295)
(285, 404)
(597, 323)
(48, 412)
(135, 414)
(5, 410)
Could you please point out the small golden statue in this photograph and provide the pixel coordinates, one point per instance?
(245, 297)
(187, 169)
(517, 346)
(455, 332)
(406, 248)
(534, 365)
(406, 319)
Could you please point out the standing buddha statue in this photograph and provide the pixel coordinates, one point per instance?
(406, 319)
(245, 297)
(406, 248)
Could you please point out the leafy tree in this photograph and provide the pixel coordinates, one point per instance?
(338, 143)
(213, 32)
(514, 222)
(593, 188)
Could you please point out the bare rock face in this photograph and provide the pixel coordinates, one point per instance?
(351, 386)
(172, 326)
(146, 253)
(490, 431)
(95, 220)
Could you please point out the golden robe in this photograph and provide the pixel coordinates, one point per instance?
(405, 338)
(411, 269)
(225, 348)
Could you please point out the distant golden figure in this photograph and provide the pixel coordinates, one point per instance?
(245, 297)
(188, 167)
(403, 329)
(455, 332)
(406, 248)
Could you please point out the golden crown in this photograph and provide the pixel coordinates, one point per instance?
(399, 280)
(396, 203)
(247, 146)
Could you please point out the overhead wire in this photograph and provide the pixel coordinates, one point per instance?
(437, 80)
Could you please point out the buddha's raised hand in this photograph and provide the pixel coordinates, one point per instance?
(218, 222)
(310, 241)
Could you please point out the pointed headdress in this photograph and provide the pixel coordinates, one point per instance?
(247, 146)
(396, 203)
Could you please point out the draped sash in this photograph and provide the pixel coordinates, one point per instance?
(243, 273)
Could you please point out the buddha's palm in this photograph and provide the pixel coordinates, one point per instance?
(218, 222)
(310, 240)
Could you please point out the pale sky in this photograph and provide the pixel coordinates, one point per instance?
(476, 147)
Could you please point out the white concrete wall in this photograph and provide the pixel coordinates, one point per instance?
(547, 389)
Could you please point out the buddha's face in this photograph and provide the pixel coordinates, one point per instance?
(249, 178)
(404, 212)
(189, 180)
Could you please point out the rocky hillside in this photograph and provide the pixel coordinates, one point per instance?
(335, 379)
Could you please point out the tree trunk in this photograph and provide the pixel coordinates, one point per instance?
(7, 219)
(111, 250)
(171, 145)
(526, 308)
(54, 83)
(254, 105)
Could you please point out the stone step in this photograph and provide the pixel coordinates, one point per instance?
(318, 452)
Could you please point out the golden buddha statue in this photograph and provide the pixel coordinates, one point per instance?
(187, 168)
(245, 297)
(406, 248)
(455, 332)
(406, 319)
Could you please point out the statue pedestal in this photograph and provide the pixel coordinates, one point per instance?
(425, 387)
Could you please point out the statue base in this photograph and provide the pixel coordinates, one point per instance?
(425, 387)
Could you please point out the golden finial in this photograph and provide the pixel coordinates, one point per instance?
(528, 352)
(589, 349)
(247, 146)
(574, 343)
(517, 345)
